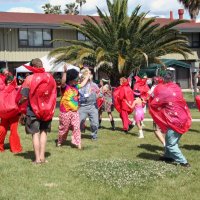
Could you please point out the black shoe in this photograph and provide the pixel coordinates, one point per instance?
(125, 131)
(185, 165)
(112, 124)
(130, 127)
(166, 159)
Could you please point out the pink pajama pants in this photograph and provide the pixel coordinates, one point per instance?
(69, 121)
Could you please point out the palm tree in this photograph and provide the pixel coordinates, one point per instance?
(71, 9)
(119, 43)
(192, 6)
(49, 9)
(81, 2)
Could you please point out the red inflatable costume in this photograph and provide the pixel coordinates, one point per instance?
(170, 111)
(122, 94)
(9, 114)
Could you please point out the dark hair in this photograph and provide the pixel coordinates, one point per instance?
(137, 93)
(168, 77)
(72, 74)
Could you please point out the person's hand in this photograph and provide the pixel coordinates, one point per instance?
(65, 67)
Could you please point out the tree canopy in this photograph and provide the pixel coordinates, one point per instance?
(119, 44)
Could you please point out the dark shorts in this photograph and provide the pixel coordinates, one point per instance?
(34, 125)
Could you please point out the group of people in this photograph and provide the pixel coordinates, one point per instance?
(81, 98)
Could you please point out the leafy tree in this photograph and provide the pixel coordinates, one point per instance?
(71, 9)
(118, 43)
(49, 9)
(192, 6)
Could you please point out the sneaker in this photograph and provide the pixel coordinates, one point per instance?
(185, 165)
(130, 126)
(125, 131)
(141, 136)
(58, 145)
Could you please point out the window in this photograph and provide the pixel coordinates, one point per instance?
(194, 39)
(80, 36)
(35, 38)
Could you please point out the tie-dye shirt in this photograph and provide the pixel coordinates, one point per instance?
(69, 100)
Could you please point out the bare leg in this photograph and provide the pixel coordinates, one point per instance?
(43, 140)
(110, 116)
(159, 135)
(36, 146)
(139, 125)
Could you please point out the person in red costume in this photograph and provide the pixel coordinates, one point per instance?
(40, 91)
(123, 95)
(142, 86)
(170, 112)
(9, 113)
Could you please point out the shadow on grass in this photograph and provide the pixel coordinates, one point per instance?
(191, 147)
(151, 148)
(30, 155)
(86, 136)
(66, 143)
(149, 156)
(194, 130)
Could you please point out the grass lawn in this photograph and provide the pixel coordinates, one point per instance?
(115, 167)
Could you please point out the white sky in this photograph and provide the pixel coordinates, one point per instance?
(159, 8)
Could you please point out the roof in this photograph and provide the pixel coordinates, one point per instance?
(14, 18)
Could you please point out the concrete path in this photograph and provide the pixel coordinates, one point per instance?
(118, 119)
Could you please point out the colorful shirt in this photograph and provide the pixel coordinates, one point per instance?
(69, 100)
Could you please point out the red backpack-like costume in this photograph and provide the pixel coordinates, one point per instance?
(169, 109)
(8, 105)
(42, 96)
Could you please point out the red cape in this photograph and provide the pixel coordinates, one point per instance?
(141, 85)
(197, 98)
(169, 109)
(122, 94)
(34, 69)
(8, 105)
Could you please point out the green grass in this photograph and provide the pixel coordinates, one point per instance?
(116, 167)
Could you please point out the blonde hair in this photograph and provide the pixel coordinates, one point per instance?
(85, 72)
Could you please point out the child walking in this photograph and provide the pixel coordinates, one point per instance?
(138, 105)
(69, 116)
(107, 104)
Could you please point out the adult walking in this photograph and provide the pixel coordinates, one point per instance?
(171, 113)
(88, 104)
(9, 112)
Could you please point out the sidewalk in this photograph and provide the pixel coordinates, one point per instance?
(118, 119)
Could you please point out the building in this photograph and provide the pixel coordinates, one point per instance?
(24, 36)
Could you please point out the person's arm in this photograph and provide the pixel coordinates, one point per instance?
(25, 90)
(64, 77)
(129, 105)
(22, 100)
(83, 83)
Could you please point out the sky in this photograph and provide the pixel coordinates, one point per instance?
(160, 8)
